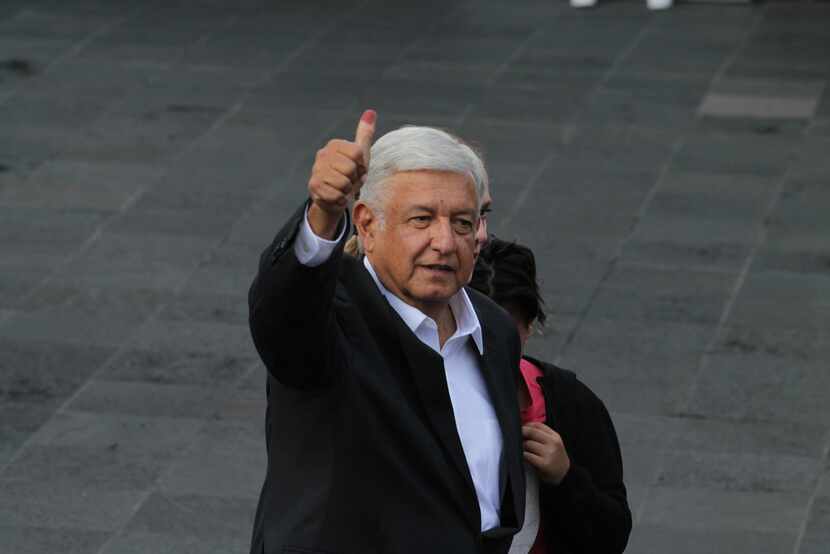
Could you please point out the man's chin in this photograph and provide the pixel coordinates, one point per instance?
(436, 295)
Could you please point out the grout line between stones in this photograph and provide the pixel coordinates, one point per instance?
(512, 58)
(802, 530)
(669, 267)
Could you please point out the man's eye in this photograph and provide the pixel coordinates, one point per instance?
(484, 212)
(420, 220)
(463, 226)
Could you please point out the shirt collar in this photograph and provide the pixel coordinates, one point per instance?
(466, 320)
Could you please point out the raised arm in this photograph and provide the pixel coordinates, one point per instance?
(290, 300)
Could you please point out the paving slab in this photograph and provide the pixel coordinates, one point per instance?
(653, 538)
(79, 185)
(208, 307)
(662, 294)
(19, 420)
(71, 327)
(155, 436)
(638, 352)
(816, 532)
(762, 388)
(194, 516)
(57, 505)
(800, 440)
(695, 508)
(38, 371)
(16, 284)
(33, 540)
(158, 543)
(218, 461)
(737, 472)
(693, 242)
(145, 399)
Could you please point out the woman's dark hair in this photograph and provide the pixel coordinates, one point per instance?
(506, 272)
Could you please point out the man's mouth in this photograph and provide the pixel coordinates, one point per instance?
(439, 267)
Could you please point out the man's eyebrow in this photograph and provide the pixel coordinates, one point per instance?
(431, 210)
(420, 208)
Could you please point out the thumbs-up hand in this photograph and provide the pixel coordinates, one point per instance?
(365, 133)
(337, 175)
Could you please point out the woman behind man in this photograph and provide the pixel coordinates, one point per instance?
(576, 499)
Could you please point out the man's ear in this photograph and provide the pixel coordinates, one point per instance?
(365, 222)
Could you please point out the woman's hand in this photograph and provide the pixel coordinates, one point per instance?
(545, 451)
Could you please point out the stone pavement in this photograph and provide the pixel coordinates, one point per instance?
(671, 171)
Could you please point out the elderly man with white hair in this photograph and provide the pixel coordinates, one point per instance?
(392, 423)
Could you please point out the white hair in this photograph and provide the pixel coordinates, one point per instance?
(413, 148)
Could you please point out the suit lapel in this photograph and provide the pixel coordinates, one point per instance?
(498, 400)
(507, 412)
(426, 370)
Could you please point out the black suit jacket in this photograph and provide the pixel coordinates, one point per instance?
(363, 452)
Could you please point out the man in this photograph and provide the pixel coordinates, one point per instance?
(392, 422)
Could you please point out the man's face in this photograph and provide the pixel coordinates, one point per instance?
(424, 252)
(481, 231)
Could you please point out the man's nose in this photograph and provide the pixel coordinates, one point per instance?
(443, 240)
(481, 232)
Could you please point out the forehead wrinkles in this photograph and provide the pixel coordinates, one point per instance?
(431, 190)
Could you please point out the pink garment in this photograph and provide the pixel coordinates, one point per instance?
(536, 410)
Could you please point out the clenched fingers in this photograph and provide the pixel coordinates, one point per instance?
(340, 155)
(336, 174)
(539, 432)
(545, 450)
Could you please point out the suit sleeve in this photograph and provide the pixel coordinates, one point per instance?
(291, 311)
(589, 508)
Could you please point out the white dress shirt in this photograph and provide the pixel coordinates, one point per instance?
(524, 540)
(475, 419)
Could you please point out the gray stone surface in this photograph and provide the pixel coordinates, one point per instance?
(218, 462)
(737, 472)
(745, 105)
(669, 170)
(699, 508)
(145, 399)
(65, 505)
(654, 539)
(159, 543)
(817, 533)
(191, 515)
(33, 540)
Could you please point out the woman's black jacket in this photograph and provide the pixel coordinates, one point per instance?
(588, 511)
